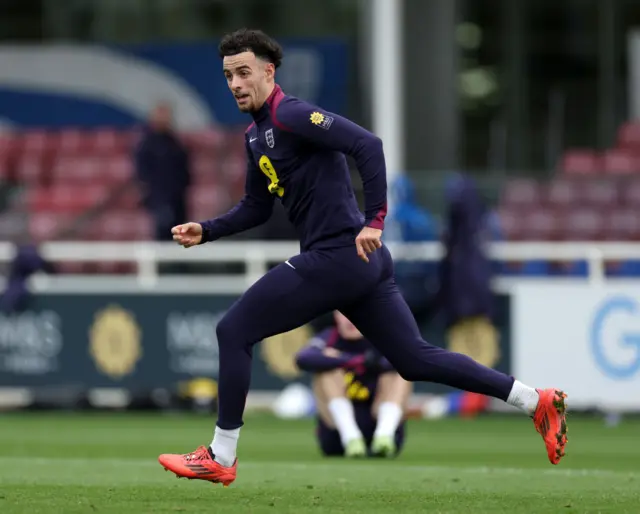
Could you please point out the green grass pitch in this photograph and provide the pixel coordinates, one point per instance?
(106, 463)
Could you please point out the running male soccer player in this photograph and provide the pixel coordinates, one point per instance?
(296, 153)
(360, 398)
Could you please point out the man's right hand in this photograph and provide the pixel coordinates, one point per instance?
(331, 352)
(187, 235)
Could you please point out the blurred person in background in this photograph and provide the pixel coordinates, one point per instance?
(26, 262)
(162, 170)
(360, 399)
(409, 222)
(464, 294)
(459, 286)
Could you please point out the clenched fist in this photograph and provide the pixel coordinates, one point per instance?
(187, 235)
(368, 241)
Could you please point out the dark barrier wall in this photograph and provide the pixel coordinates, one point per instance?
(143, 341)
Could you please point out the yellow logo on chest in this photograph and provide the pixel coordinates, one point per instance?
(267, 168)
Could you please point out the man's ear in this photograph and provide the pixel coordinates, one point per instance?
(270, 70)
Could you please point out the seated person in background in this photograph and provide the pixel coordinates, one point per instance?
(360, 398)
(26, 262)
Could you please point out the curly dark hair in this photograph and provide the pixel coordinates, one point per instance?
(256, 41)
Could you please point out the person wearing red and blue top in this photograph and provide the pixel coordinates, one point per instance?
(360, 399)
(297, 155)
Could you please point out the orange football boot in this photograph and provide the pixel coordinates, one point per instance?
(199, 465)
(551, 422)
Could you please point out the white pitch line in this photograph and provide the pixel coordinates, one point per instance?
(346, 465)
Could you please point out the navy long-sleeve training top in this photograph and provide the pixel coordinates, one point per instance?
(296, 152)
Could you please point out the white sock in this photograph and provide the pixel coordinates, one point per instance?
(523, 397)
(389, 417)
(344, 418)
(224, 446)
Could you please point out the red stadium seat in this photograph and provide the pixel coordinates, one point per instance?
(580, 162)
(563, 192)
(9, 148)
(32, 169)
(630, 193)
(71, 170)
(102, 169)
(620, 162)
(128, 200)
(541, 224)
(68, 169)
(583, 224)
(510, 222)
(6, 169)
(207, 140)
(98, 142)
(233, 141)
(124, 226)
(233, 174)
(46, 225)
(39, 142)
(205, 203)
(601, 193)
(119, 168)
(629, 136)
(204, 169)
(73, 141)
(9, 142)
(64, 198)
(234, 148)
(622, 224)
(521, 192)
(107, 141)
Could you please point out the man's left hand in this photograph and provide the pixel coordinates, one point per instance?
(368, 241)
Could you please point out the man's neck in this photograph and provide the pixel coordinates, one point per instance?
(269, 91)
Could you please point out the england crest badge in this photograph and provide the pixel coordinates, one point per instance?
(268, 136)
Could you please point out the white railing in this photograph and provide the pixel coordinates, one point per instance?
(257, 255)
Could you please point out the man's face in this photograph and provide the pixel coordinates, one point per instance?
(346, 329)
(162, 117)
(248, 78)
